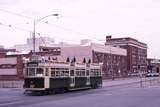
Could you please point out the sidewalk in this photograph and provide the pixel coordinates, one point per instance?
(11, 84)
(123, 81)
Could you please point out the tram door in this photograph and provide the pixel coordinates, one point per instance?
(72, 78)
(88, 77)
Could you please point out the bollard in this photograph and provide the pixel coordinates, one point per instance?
(141, 82)
(150, 81)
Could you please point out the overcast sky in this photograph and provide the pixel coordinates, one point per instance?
(82, 19)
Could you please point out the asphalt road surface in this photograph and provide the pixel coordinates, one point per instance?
(129, 95)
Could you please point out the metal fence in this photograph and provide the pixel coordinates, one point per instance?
(149, 81)
(11, 84)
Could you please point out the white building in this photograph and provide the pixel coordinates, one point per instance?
(81, 52)
(41, 41)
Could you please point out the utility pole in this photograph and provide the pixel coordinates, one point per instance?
(34, 36)
(108, 39)
(111, 63)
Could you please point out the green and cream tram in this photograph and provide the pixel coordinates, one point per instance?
(49, 76)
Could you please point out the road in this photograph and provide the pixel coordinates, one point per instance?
(128, 95)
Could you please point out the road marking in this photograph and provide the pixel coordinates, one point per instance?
(7, 97)
(16, 102)
(108, 94)
(9, 100)
(2, 97)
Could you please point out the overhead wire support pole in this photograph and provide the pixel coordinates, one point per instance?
(34, 37)
(34, 29)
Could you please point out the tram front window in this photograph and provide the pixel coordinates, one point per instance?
(31, 72)
(39, 72)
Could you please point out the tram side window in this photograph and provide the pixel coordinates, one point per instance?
(72, 73)
(77, 73)
(83, 73)
(57, 74)
(92, 72)
(39, 72)
(31, 72)
(80, 72)
(87, 72)
(99, 72)
(47, 72)
(53, 72)
(95, 72)
(66, 73)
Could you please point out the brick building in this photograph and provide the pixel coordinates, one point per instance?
(136, 53)
(153, 65)
(12, 63)
(11, 66)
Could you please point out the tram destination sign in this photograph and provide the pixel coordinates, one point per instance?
(32, 64)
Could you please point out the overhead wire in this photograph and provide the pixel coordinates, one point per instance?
(17, 14)
(74, 31)
(60, 27)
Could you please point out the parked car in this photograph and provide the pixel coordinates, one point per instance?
(152, 74)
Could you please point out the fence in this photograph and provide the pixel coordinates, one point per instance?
(144, 82)
(11, 84)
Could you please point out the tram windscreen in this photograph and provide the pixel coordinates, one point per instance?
(39, 72)
(31, 72)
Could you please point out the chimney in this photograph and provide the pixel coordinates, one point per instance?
(108, 37)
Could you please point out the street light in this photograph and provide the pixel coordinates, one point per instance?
(34, 29)
(112, 71)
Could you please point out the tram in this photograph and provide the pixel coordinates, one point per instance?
(53, 76)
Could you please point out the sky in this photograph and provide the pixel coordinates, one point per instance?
(81, 19)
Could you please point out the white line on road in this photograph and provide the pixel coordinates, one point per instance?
(108, 94)
(7, 97)
(9, 100)
(16, 102)
(3, 97)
